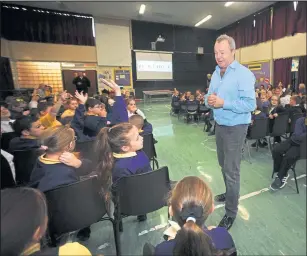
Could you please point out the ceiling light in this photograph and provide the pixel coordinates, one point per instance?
(228, 4)
(295, 3)
(142, 9)
(203, 20)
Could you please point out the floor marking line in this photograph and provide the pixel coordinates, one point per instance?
(299, 177)
(249, 195)
(281, 252)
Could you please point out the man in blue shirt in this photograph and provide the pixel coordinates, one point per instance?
(231, 95)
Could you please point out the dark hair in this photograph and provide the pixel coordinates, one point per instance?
(23, 210)
(191, 198)
(42, 106)
(4, 104)
(109, 141)
(90, 103)
(24, 123)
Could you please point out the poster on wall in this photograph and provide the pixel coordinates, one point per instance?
(104, 73)
(122, 77)
(261, 70)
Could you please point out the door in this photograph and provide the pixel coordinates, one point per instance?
(69, 75)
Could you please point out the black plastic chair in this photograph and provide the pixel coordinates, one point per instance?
(140, 194)
(293, 121)
(279, 127)
(7, 180)
(76, 206)
(258, 130)
(6, 138)
(175, 108)
(150, 150)
(148, 249)
(303, 155)
(86, 149)
(192, 110)
(25, 161)
(183, 110)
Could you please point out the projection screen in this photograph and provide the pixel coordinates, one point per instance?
(154, 65)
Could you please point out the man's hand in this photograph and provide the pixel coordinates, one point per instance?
(82, 97)
(113, 85)
(275, 115)
(215, 101)
(70, 160)
(271, 116)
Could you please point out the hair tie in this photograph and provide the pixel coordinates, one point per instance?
(191, 218)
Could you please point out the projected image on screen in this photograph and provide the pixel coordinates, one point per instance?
(154, 66)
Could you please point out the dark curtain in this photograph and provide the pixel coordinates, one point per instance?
(263, 30)
(6, 78)
(246, 34)
(282, 71)
(287, 21)
(27, 24)
(302, 70)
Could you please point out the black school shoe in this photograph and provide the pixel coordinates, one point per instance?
(84, 234)
(279, 183)
(142, 217)
(220, 198)
(227, 222)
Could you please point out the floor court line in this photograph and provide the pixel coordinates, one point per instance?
(249, 195)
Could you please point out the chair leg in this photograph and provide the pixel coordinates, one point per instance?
(117, 239)
(157, 163)
(294, 174)
(153, 163)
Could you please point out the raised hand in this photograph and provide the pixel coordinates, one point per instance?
(82, 97)
(113, 85)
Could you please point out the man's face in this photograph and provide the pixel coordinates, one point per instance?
(224, 56)
(80, 74)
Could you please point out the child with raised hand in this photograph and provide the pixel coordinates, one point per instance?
(79, 122)
(190, 204)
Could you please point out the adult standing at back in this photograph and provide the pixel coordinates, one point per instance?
(81, 82)
(231, 95)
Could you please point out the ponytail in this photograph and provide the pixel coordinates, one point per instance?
(110, 140)
(104, 159)
(191, 240)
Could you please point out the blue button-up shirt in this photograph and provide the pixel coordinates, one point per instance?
(236, 88)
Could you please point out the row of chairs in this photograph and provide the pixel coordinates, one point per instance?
(260, 130)
(25, 160)
(188, 110)
(76, 206)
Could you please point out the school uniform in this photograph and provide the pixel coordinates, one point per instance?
(68, 112)
(20, 143)
(48, 174)
(220, 237)
(146, 129)
(6, 126)
(275, 110)
(49, 120)
(287, 152)
(93, 124)
(257, 114)
(128, 164)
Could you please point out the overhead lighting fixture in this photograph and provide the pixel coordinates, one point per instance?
(142, 9)
(295, 3)
(203, 20)
(228, 4)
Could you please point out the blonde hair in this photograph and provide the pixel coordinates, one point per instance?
(57, 139)
(229, 39)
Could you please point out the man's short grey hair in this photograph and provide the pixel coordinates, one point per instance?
(229, 39)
